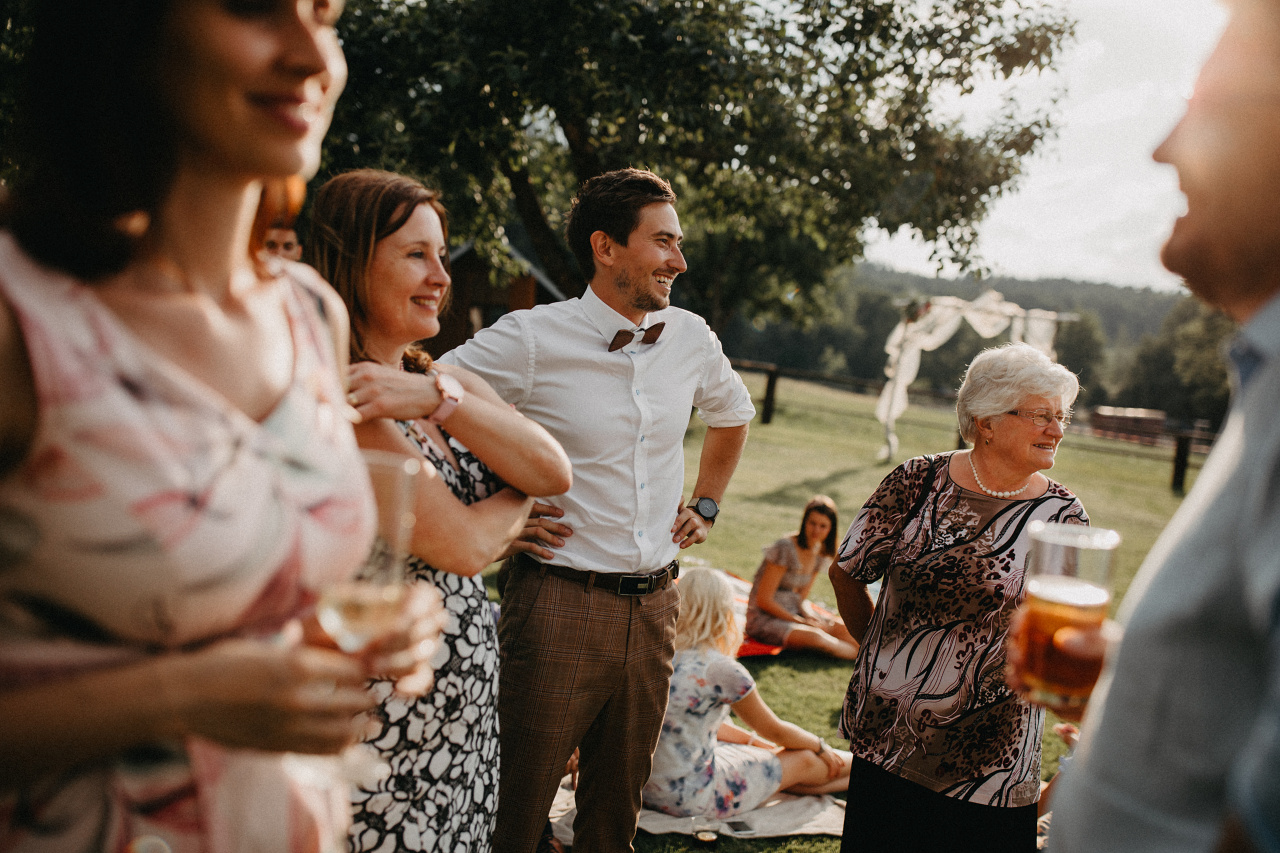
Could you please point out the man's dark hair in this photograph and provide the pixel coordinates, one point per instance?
(611, 203)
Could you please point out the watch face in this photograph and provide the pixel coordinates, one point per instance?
(707, 508)
(449, 386)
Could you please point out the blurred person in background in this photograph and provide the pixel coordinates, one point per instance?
(778, 610)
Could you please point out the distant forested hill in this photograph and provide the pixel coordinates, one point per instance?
(1130, 347)
(1126, 313)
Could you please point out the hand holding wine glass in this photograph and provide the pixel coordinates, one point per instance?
(369, 605)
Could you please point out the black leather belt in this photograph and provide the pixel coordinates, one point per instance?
(622, 584)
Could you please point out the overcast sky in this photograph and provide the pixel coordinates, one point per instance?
(1092, 205)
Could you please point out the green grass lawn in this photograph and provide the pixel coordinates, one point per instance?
(825, 441)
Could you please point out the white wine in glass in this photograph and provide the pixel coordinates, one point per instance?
(355, 612)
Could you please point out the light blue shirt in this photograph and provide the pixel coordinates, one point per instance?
(1184, 727)
(620, 416)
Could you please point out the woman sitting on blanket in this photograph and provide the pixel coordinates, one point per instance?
(777, 611)
(705, 765)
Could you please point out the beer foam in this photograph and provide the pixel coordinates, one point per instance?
(1073, 592)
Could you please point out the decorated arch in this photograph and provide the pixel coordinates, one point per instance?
(927, 326)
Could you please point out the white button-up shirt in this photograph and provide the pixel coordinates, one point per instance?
(621, 416)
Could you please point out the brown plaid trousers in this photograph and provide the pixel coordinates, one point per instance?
(580, 668)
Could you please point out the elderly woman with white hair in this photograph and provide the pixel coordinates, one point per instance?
(945, 756)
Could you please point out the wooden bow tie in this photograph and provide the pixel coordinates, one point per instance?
(626, 336)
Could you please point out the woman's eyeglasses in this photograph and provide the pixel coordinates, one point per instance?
(1041, 417)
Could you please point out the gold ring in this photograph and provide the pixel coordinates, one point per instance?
(351, 398)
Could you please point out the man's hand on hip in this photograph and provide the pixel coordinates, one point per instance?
(541, 533)
(689, 528)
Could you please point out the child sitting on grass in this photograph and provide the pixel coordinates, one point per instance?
(706, 765)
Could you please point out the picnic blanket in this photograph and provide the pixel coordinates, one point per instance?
(781, 814)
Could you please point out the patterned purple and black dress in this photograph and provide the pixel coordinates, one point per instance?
(928, 701)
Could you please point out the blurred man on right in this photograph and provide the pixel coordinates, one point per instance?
(1181, 743)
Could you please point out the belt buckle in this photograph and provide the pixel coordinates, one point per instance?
(635, 584)
(642, 584)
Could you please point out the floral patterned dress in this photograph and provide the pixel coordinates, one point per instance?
(928, 699)
(442, 794)
(151, 515)
(694, 773)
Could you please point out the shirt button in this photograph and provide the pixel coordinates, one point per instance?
(641, 534)
(642, 439)
(642, 487)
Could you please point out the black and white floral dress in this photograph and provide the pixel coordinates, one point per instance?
(442, 794)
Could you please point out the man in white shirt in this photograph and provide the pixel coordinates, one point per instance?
(588, 611)
(1180, 748)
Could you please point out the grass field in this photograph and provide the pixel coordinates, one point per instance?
(825, 441)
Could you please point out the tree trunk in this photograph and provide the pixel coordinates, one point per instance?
(582, 154)
(715, 293)
(545, 243)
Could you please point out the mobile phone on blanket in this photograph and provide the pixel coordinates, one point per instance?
(739, 827)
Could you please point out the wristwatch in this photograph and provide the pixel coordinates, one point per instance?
(706, 508)
(451, 394)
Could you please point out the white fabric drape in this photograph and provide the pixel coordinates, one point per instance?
(989, 315)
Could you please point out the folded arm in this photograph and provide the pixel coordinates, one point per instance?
(241, 693)
(449, 535)
(518, 450)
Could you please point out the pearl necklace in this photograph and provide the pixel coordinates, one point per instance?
(994, 494)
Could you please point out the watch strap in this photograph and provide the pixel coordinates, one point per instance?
(450, 396)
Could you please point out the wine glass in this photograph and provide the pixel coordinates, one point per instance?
(356, 611)
(1068, 594)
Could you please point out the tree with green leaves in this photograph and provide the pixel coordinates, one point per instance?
(1082, 347)
(788, 128)
(15, 40)
(1181, 370)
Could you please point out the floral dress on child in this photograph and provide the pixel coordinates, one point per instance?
(442, 793)
(695, 773)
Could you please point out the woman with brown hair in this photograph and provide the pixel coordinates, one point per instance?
(178, 477)
(778, 610)
(382, 240)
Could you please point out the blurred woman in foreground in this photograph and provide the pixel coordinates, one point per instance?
(945, 756)
(179, 478)
(382, 239)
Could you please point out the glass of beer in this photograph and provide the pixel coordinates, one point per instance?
(1068, 594)
(354, 612)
